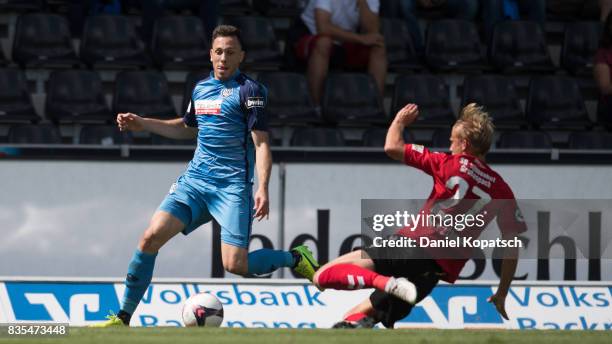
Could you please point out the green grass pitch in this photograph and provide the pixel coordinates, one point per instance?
(310, 336)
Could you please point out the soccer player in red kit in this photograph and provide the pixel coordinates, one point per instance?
(463, 184)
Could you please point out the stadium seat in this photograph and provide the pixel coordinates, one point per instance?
(556, 102)
(159, 140)
(454, 44)
(430, 93)
(317, 137)
(590, 140)
(15, 102)
(277, 8)
(579, 46)
(401, 54)
(499, 97)
(288, 99)
(441, 138)
(180, 41)
(21, 5)
(144, 93)
(520, 46)
(112, 40)
(43, 40)
(3, 60)
(604, 112)
(192, 79)
(235, 7)
(76, 96)
(34, 134)
(105, 135)
(525, 139)
(375, 137)
(352, 98)
(260, 43)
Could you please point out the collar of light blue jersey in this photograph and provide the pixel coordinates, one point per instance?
(232, 78)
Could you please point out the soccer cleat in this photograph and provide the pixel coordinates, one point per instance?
(306, 264)
(112, 321)
(402, 289)
(365, 322)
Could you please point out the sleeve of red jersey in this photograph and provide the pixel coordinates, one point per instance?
(510, 219)
(422, 158)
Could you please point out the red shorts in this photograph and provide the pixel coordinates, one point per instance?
(353, 55)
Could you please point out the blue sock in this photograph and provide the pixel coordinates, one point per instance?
(265, 260)
(140, 272)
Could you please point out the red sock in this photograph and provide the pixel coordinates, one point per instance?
(355, 317)
(349, 276)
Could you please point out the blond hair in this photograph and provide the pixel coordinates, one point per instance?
(477, 128)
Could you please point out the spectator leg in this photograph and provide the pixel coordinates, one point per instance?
(492, 13)
(408, 8)
(377, 67)
(318, 65)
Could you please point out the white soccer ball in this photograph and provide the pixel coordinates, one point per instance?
(202, 309)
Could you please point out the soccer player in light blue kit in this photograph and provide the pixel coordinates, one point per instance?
(227, 114)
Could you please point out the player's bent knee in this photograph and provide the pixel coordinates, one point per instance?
(151, 240)
(323, 45)
(236, 267)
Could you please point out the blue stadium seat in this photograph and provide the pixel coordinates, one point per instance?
(180, 41)
(498, 95)
(76, 96)
(525, 139)
(454, 45)
(317, 137)
(144, 93)
(43, 40)
(590, 140)
(15, 102)
(580, 43)
(556, 102)
(352, 98)
(288, 99)
(430, 93)
(111, 40)
(34, 134)
(105, 135)
(520, 46)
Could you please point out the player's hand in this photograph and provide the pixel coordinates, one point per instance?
(500, 304)
(407, 114)
(371, 39)
(262, 205)
(130, 121)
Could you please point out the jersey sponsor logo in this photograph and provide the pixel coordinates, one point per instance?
(255, 102)
(418, 148)
(172, 188)
(226, 92)
(208, 107)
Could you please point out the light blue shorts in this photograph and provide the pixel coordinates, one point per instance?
(195, 202)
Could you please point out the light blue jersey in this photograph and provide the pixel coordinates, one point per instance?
(225, 112)
(218, 181)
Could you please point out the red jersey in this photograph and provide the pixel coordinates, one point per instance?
(462, 184)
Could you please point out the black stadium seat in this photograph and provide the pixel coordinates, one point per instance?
(288, 98)
(34, 134)
(21, 5)
(352, 98)
(43, 40)
(441, 138)
(159, 140)
(3, 60)
(430, 93)
(317, 137)
(76, 96)
(454, 44)
(144, 93)
(375, 137)
(590, 140)
(556, 102)
(192, 79)
(180, 41)
(105, 135)
(499, 97)
(579, 46)
(260, 44)
(277, 8)
(15, 102)
(520, 46)
(401, 54)
(524, 139)
(112, 40)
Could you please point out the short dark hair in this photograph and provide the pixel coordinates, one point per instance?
(227, 31)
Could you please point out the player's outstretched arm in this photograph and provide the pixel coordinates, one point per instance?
(172, 128)
(263, 163)
(507, 274)
(394, 143)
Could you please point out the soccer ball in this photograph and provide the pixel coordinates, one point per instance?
(202, 309)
